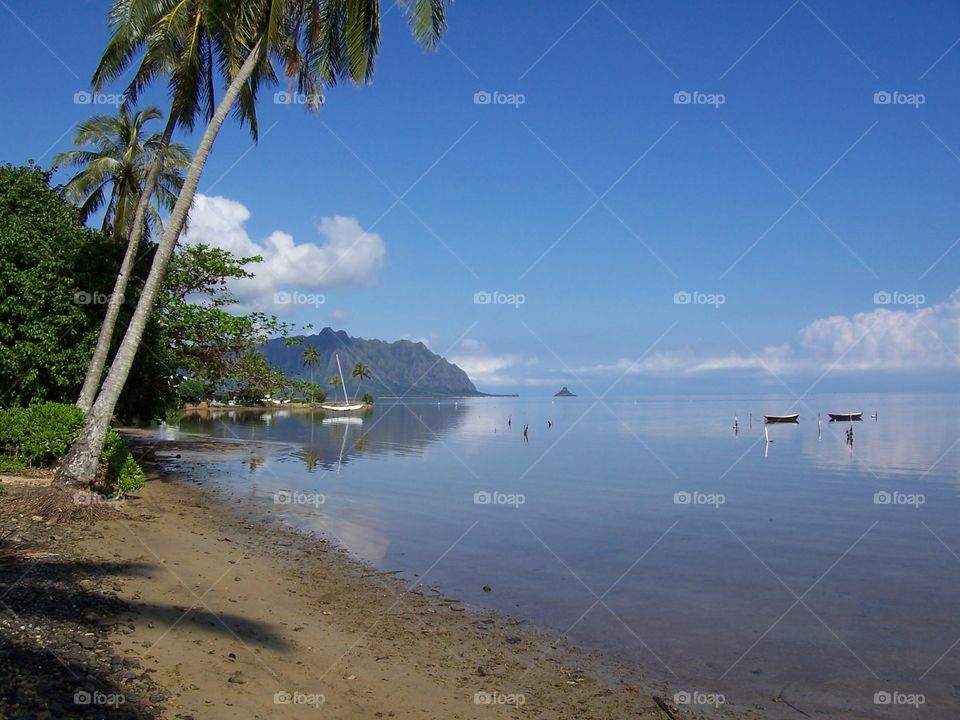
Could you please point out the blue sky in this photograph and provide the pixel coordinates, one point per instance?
(782, 198)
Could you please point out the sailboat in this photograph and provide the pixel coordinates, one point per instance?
(346, 405)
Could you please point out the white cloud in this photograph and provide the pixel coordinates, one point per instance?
(347, 257)
(881, 340)
(484, 368)
(427, 340)
(491, 370)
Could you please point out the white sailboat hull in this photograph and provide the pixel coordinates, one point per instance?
(342, 407)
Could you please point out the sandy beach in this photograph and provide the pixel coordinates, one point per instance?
(226, 617)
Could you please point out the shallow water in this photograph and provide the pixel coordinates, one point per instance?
(776, 570)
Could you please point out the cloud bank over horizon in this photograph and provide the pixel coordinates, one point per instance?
(921, 339)
(883, 340)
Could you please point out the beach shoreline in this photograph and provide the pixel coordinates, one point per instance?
(234, 617)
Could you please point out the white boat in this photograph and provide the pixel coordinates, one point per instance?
(341, 407)
(346, 405)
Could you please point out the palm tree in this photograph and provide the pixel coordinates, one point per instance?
(361, 372)
(317, 41)
(118, 161)
(311, 358)
(181, 41)
(335, 381)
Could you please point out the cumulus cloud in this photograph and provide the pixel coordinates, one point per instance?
(498, 370)
(485, 368)
(881, 340)
(348, 256)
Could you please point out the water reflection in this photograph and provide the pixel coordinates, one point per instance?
(905, 442)
(329, 441)
(715, 583)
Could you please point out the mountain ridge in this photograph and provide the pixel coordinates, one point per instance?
(398, 368)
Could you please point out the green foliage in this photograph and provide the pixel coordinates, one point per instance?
(39, 434)
(254, 378)
(311, 356)
(12, 466)
(122, 471)
(3, 491)
(193, 390)
(360, 373)
(368, 398)
(55, 277)
(114, 160)
(202, 337)
(45, 335)
(309, 391)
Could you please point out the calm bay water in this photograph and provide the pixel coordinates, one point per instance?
(649, 529)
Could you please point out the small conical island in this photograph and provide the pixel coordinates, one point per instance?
(564, 392)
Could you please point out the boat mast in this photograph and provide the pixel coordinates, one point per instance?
(343, 382)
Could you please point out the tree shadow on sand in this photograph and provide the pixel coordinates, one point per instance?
(56, 658)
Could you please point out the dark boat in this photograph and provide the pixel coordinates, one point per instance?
(846, 417)
(795, 418)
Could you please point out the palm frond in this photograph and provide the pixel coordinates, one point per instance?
(427, 19)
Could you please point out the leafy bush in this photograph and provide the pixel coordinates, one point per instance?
(12, 466)
(367, 398)
(315, 393)
(39, 434)
(122, 471)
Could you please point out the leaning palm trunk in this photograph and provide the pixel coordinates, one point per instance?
(80, 464)
(98, 362)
